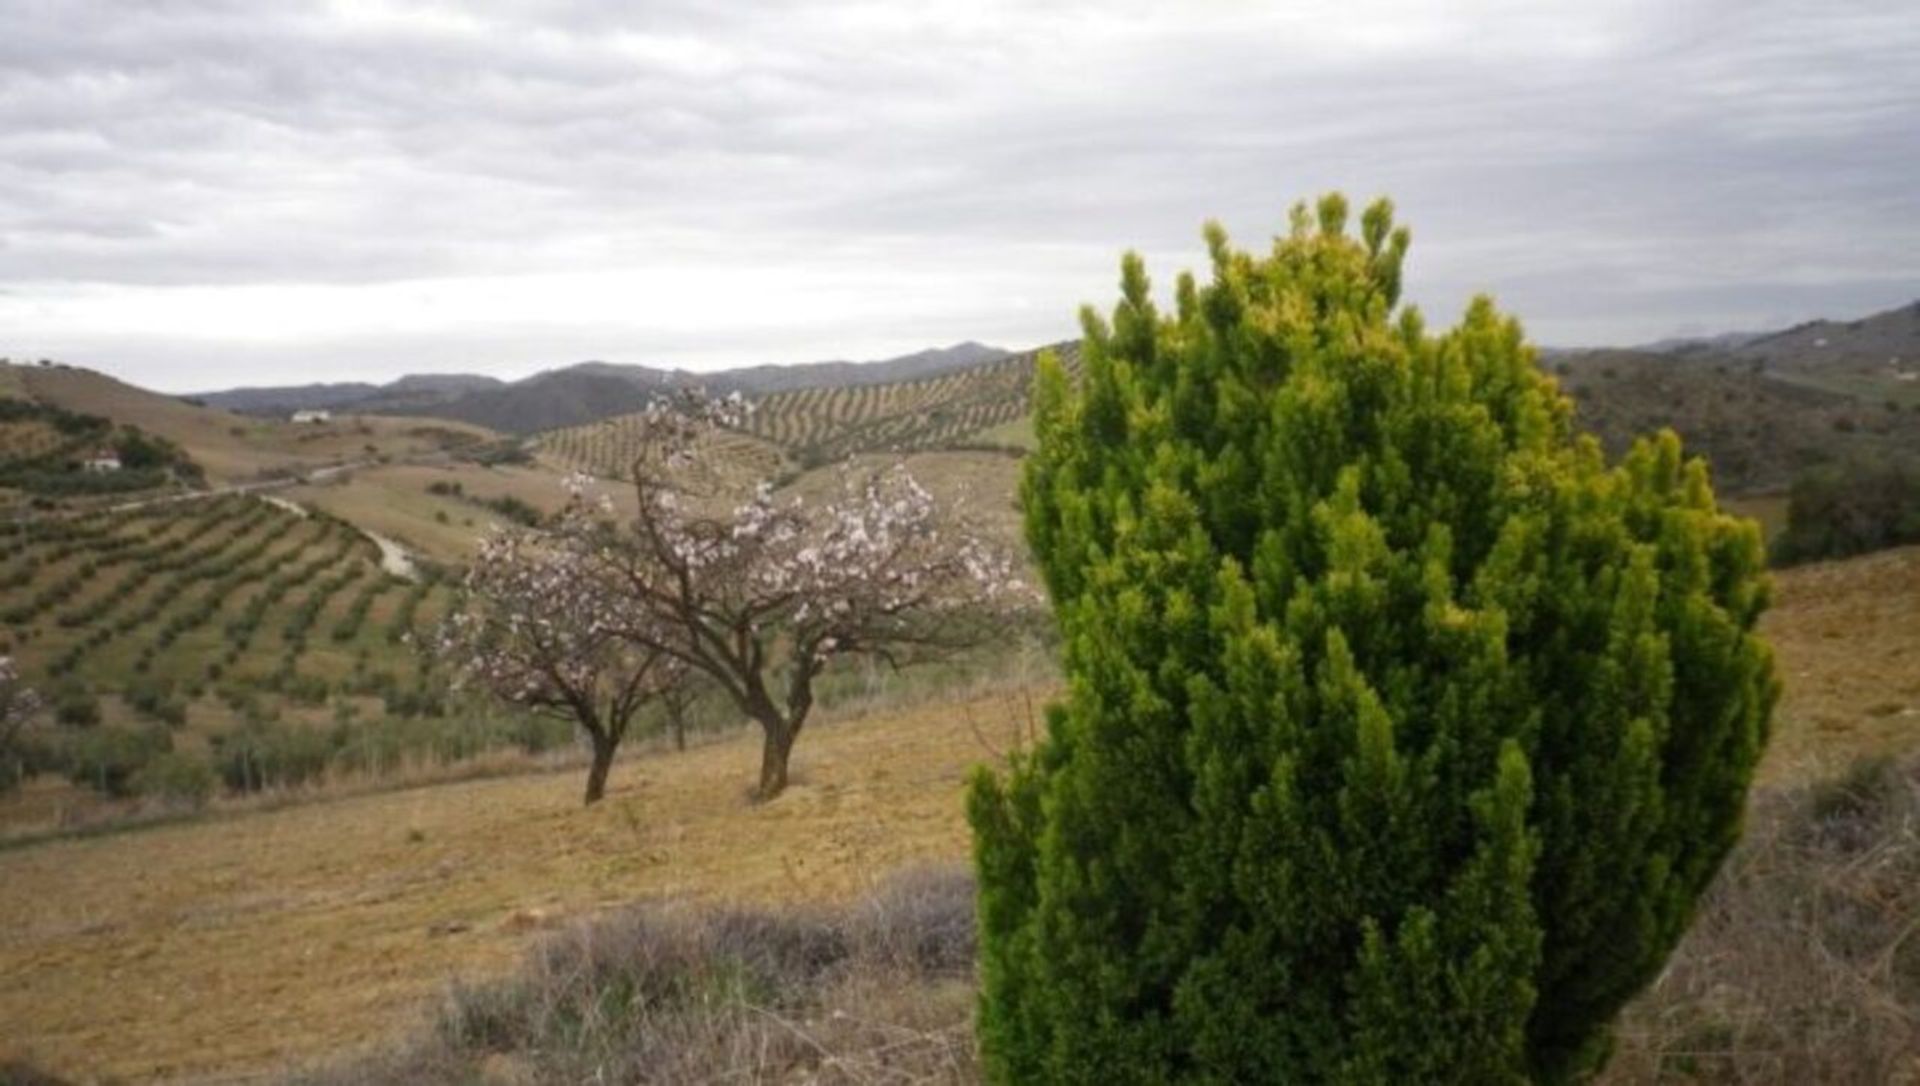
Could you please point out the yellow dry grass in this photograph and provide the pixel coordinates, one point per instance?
(394, 501)
(249, 943)
(1847, 638)
(252, 942)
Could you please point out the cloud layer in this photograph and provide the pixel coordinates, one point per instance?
(198, 192)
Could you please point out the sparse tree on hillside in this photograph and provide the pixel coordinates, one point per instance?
(542, 630)
(758, 595)
(20, 708)
(1403, 733)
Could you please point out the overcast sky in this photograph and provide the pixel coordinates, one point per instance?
(195, 194)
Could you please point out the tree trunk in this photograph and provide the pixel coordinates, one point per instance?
(603, 748)
(774, 753)
(677, 721)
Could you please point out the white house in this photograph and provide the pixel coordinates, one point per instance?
(103, 461)
(314, 417)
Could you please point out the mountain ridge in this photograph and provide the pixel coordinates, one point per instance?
(582, 392)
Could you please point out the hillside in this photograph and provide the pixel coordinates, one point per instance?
(1875, 358)
(233, 448)
(1756, 428)
(281, 936)
(408, 393)
(804, 428)
(208, 604)
(582, 393)
(50, 456)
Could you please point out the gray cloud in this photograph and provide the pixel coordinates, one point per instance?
(193, 190)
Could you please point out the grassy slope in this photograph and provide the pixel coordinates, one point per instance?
(251, 941)
(394, 501)
(229, 446)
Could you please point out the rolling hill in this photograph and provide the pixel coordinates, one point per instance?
(1759, 414)
(227, 608)
(582, 393)
(804, 428)
(1873, 358)
(1756, 427)
(234, 448)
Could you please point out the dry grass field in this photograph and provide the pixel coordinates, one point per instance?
(246, 943)
(395, 501)
(1847, 638)
(256, 941)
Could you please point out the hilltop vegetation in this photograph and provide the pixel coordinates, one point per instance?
(1872, 359)
(1757, 429)
(821, 425)
(48, 452)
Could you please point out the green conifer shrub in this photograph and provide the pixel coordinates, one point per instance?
(1402, 732)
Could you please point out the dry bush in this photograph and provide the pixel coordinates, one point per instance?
(877, 992)
(1804, 964)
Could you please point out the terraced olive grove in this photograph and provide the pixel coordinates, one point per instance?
(228, 639)
(803, 428)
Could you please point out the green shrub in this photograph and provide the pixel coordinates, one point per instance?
(267, 754)
(1861, 505)
(77, 708)
(181, 778)
(107, 759)
(1402, 732)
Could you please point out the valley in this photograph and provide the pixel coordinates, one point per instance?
(286, 830)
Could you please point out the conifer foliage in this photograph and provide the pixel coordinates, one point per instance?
(1402, 732)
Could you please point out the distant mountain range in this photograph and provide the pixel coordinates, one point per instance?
(581, 393)
(1760, 406)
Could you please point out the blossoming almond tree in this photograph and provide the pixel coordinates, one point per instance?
(594, 615)
(542, 631)
(761, 598)
(758, 595)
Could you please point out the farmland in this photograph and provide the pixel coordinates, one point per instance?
(260, 940)
(233, 589)
(607, 450)
(983, 405)
(230, 644)
(262, 642)
(822, 424)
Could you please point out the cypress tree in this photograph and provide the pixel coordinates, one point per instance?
(1402, 732)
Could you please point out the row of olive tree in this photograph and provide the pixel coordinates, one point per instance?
(594, 616)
